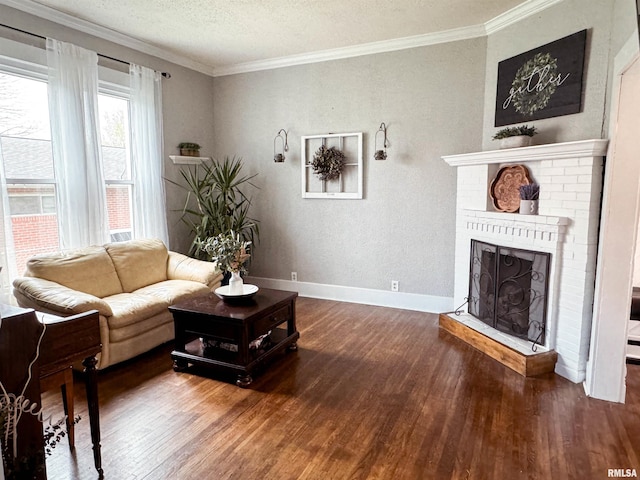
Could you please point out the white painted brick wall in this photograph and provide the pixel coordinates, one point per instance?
(566, 227)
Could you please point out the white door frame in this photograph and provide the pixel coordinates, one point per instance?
(606, 367)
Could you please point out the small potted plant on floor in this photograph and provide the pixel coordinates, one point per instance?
(511, 137)
(189, 149)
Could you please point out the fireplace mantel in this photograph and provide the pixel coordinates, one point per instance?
(552, 151)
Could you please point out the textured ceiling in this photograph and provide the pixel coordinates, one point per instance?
(223, 33)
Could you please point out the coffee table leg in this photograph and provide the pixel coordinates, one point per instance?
(293, 347)
(244, 381)
(179, 365)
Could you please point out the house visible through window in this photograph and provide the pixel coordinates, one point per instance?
(114, 135)
(25, 146)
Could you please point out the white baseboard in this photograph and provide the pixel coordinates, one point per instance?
(407, 301)
(571, 374)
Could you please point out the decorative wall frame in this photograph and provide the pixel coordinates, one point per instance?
(349, 183)
(542, 83)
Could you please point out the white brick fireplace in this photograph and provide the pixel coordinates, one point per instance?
(570, 179)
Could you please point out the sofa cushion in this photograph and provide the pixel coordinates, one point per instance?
(89, 270)
(139, 262)
(129, 308)
(144, 327)
(174, 291)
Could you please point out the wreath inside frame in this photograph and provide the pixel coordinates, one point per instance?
(328, 163)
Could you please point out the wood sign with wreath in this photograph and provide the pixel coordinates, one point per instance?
(541, 83)
(332, 166)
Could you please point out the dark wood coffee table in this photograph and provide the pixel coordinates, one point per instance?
(212, 333)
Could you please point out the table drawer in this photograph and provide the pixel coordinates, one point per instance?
(263, 325)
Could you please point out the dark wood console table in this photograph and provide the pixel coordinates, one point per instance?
(228, 330)
(66, 341)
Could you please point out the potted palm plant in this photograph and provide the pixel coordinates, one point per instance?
(217, 204)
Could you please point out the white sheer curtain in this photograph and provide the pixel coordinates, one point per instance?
(73, 109)
(149, 212)
(7, 247)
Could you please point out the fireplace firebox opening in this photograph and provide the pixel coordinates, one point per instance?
(508, 289)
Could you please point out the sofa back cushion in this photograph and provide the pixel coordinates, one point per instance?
(89, 270)
(139, 262)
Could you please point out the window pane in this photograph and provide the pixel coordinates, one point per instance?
(34, 230)
(114, 135)
(119, 210)
(25, 137)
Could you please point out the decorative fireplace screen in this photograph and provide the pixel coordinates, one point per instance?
(508, 289)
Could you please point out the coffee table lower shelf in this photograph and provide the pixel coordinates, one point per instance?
(195, 354)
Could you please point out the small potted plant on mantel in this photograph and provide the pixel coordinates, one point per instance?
(529, 195)
(189, 149)
(511, 137)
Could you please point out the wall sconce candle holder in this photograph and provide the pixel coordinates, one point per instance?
(381, 152)
(278, 154)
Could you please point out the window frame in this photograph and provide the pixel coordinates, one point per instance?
(110, 82)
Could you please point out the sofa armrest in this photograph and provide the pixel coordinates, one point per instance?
(181, 267)
(52, 296)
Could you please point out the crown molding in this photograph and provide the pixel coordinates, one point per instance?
(525, 9)
(64, 19)
(355, 50)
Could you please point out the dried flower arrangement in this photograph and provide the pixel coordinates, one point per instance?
(529, 192)
(228, 250)
(328, 163)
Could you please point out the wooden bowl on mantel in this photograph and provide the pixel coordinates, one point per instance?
(505, 188)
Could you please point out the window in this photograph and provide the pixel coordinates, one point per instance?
(114, 135)
(25, 146)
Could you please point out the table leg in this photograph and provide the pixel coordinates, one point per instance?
(179, 365)
(94, 413)
(244, 381)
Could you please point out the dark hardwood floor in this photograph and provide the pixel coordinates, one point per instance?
(372, 393)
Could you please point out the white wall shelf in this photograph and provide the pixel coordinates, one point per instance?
(184, 160)
(349, 184)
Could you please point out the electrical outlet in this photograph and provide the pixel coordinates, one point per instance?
(394, 285)
(294, 276)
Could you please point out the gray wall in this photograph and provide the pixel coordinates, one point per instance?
(430, 98)
(187, 98)
(609, 24)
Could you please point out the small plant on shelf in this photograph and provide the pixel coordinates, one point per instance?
(522, 130)
(529, 192)
(189, 149)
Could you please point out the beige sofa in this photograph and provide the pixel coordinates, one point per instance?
(131, 284)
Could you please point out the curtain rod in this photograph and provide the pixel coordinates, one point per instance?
(164, 74)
